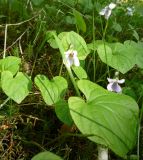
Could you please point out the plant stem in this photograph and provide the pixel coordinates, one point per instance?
(93, 34)
(73, 80)
(102, 153)
(104, 33)
(5, 39)
(139, 129)
(1, 105)
(60, 72)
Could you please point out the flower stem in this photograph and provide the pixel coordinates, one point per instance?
(93, 34)
(1, 105)
(73, 80)
(139, 129)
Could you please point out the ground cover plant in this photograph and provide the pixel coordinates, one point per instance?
(71, 79)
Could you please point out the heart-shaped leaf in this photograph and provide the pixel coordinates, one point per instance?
(108, 118)
(117, 55)
(11, 64)
(137, 48)
(46, 156)
(52, 91)
(78, 43)
(63, 112)
(18, 87)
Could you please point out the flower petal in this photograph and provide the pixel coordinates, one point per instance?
(112, 5)
(103, 11)
(67, 53)
(108, 13)
(75, 53)
(109, 87)
(121, 81)
(129, 9)
(111, 80)
(76, 61)
(68, 61)
(116, 87)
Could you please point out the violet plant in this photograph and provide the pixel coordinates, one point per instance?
(99, 113)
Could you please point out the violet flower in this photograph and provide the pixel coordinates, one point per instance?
(71, 58)
(107, 10)
(114, 85)
(130, 11)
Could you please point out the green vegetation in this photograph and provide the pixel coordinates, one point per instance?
(71, 79)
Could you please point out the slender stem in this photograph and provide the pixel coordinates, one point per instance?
(1, 105)
(102, 150)
(16, 40)
(60, 72)
(5, 39)
(108, 71)
(39, 49)
(73, 80)
(105, 29)
(20, 23)
(138, 142)
(93, 34)
(103, 38)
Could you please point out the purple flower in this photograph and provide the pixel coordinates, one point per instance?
(130, 11)
(114, 85)
(107, 10)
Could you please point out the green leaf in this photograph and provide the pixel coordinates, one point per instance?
(51, 40)
(70, 20)
(108, 118)
(46, 156)
(18, 87)
(80, 72)
(11, 64)
(52, 91)
(79, 20)
(63, 113)
(94, 45)
(78, 43)
(59, 43)
(135, 34)
(37, 2)
(137, 48)
(117, 27)
(117, 55)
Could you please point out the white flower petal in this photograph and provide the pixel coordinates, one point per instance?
(71, 58)
(75, 53)
(121, 81)
(70, 61)
(103, 11)
(67, 53)
(129, 9)
(109, 87)
(76, 61)
(112, 5)
(111, 80)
